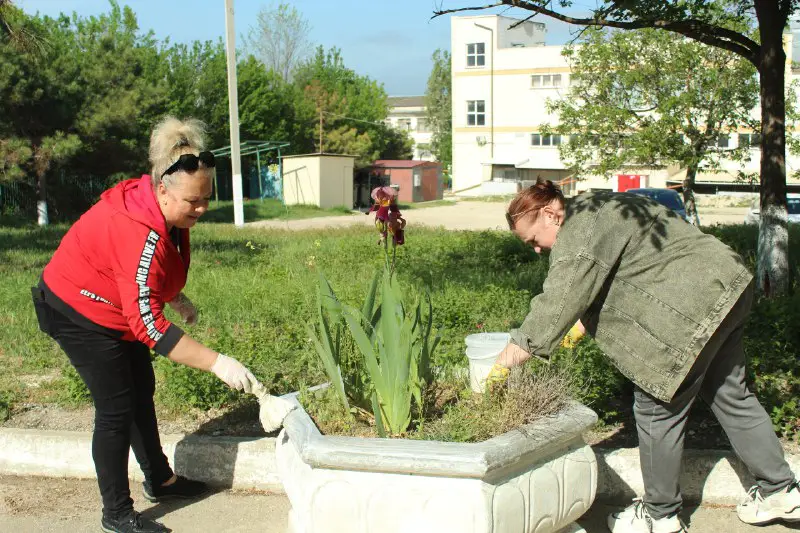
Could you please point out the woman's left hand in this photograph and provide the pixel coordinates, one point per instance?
(184, 307)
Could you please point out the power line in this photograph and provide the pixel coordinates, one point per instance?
(355, 119)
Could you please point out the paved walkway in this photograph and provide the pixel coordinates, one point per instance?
(45, 505)
(465, 215)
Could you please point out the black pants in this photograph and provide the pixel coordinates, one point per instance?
(120, 378)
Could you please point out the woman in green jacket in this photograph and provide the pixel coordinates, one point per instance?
(667, 304)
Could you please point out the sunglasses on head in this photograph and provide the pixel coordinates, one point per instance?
(190, 163)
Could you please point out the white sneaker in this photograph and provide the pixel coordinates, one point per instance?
(758, 510)
(636, 519)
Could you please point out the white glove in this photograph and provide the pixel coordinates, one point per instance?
(273, 410)
(234, 373)
(184, 307)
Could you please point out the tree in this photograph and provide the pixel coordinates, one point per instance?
(85, 104)
(717, 23)
(651, 98)
(280, 39)
(350, 108)
(14, 29)
(438, 102)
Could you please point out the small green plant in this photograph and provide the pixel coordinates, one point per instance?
(395, 340)
(73, 390)
(7, 399)
(529, 394)
(188, 387)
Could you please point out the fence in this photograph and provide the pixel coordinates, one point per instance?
(67, 196)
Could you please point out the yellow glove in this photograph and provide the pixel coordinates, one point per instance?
(572, 337)
(497, 376)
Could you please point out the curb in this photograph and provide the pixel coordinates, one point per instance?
(232, 462)
(713, 477)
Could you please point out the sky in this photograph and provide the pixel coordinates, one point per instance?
(391, 41)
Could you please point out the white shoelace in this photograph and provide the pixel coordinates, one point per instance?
(754, 497)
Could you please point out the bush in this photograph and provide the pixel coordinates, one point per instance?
(7, 399)
(772, 346)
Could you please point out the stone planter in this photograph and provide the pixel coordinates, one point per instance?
(536, 479)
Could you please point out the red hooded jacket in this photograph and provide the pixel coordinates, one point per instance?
(118, 264)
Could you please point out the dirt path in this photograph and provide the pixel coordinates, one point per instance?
(466, 215)
(44, 505)
(47, 505)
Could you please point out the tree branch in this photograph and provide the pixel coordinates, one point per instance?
(695, 29)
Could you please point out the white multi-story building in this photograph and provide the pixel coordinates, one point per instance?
(408, 113)
(502, 78)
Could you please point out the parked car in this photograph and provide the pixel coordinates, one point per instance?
(793, 203)
(666, 197)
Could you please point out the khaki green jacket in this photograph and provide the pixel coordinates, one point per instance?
(650, 288)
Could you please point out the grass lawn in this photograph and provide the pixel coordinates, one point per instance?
(432, 203)
(500, 198)
(256, 292)
(266, 209)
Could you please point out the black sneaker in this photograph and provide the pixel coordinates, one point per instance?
(182, 488)
(132, 523)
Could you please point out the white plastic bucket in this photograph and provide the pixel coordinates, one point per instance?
(482, 352)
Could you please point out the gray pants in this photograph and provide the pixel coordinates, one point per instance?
(718, 377)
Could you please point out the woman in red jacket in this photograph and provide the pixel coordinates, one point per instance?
(102, 297)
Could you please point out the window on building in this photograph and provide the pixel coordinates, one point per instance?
(590, 139)
(545, 81)
(476, 54)
(404, 124)
(476, 112)
(422, 126)
(723, 141)
(417, 178)
(537, 139)
(752, 140)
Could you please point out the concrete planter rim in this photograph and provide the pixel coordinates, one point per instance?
(489, 460)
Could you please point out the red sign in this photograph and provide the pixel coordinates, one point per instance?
(628, 181)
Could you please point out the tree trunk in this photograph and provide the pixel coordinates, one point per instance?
(688, 195)
(772, 277)
(41, 204)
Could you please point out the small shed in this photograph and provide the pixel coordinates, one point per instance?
(418, 181)
(324, 180)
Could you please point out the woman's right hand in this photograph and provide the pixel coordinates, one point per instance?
(234, 373)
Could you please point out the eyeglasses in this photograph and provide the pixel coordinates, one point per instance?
(512, 219)
(190, 163)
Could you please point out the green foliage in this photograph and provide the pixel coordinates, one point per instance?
(772, 345)
(601, 384)
(438, 101)
(255, 300)
(650, 97)
(189, 387)
(353, 108)
(83, 104)
(73, 390)
(396, 344)
(7, 399)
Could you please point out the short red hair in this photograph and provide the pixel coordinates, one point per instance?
(531, 199)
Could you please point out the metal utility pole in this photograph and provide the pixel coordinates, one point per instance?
(233, 111)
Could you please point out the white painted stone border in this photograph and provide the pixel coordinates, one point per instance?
(710, 477)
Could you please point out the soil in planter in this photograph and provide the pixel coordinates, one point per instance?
(452, 412)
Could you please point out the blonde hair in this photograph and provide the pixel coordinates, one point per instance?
(171, 138)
